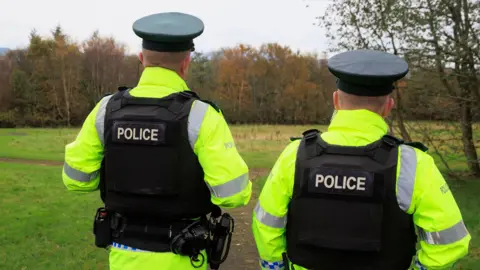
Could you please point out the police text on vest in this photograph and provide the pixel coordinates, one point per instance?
(133, 132)
(137, 134)
(344, 182)
(340, 181)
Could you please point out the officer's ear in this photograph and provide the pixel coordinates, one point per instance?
(140, 57)
(187, 60)
(185, 65)
(388, 107)
(336, 100)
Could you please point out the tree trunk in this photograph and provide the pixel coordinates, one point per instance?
(399, 115)
(240, 98)
(467, 139)
(57, 105)
(466, 85)
(65, 91)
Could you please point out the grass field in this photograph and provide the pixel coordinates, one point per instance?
(45, 227)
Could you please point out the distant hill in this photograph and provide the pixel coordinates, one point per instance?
(3, 50)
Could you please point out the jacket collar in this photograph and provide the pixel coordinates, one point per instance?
(165, 78)
(359, 123)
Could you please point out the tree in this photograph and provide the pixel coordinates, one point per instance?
(104, 63)
(201, 75)
(232, 85)
(438, 37)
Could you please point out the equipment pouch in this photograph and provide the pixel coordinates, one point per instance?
(190, 242)
(102, 228)
(222, 237)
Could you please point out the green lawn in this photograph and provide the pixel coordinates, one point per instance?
(43, 226)
(46, 227)
(46, 144)
(466, 195)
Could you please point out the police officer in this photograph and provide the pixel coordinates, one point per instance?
(354, 197)
(161, 157)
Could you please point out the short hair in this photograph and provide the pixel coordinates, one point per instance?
(170, 60)
(362, 102)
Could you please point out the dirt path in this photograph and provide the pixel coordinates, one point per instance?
(32, 161)
(243, 252)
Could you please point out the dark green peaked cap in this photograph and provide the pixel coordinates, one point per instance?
(367, 72)
(169, 31)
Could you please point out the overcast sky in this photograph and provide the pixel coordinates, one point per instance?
(227, 22)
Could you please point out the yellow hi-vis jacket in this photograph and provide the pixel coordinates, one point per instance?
(226, 173)
(420, 189)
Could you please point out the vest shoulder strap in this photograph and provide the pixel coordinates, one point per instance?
(189, 94)
(311, 138)
(397, 141)
(392, 140)
(417, 145)
(213, 104)
(115, 103)
(123, 88)
(119, 89)
(209, 102)
(181, 99)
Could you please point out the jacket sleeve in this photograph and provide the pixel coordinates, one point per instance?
(423, 192)
(83, 156)
(270, 214)
(226, 173)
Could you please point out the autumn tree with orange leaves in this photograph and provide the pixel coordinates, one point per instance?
(272, 84)
(56, 81)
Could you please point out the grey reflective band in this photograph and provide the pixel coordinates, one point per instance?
(231, 187)
(78, 175)
(268, 219)
(195, 120)
(444, 237)
(406, 178)
(100, 118)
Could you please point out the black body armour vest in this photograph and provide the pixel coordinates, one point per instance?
(150, 174)
(344, 212)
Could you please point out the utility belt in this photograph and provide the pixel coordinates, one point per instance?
(184, 237)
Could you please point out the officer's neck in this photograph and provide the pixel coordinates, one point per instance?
(361, 120)
(380, 112)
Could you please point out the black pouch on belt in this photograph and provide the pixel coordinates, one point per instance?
(102, 228)
(222, 237)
